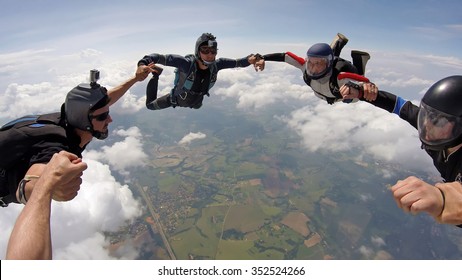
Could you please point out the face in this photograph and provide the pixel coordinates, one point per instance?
(208, 53)
(440, 130)
(101, 119)
(316, 65)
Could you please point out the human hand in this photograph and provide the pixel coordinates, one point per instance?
(62, 176)
(259, 65)
(414, 195)
(257, 61)
(349, 92)
(142, 72)
(370, 91)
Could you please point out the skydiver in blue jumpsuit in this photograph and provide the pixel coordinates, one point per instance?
(195, 74)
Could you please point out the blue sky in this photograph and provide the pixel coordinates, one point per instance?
(124, 31)
(48, 47)
(426, 26)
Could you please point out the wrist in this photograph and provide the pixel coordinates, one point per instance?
(452, 209)
(23, 193)
(444, 202)
(250, 58)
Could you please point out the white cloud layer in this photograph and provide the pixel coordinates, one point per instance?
(39, 85)
(103, 204)
(187, 139)
(123, 154)
(359, 126)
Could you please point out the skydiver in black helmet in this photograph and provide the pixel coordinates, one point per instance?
(195, 74)
(438, 120)
(36, 138)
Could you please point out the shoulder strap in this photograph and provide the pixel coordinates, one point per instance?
(180, 77)
(339, 64)
(213, 76)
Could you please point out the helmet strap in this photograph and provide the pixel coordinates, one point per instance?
(99, 135)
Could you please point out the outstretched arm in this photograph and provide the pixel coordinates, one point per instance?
(405, 109)
(117, 92)
(287, 57)
(31, 237)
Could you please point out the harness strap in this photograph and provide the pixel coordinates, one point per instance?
(4, 201)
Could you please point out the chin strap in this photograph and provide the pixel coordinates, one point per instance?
(99, 135)
(205, 63)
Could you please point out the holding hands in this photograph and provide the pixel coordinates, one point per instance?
(257, 61)
(351, 90)
(143, 71)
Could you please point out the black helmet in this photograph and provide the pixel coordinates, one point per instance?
(440, 116)
(206, 39)
(80, 101)
(323, 51)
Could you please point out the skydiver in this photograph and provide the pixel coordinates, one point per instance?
(195, 74)
(322, 66)
(438, 120)
(28, 143)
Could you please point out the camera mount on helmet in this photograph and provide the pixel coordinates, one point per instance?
(94, 77)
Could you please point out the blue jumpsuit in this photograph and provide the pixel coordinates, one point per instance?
(196, 81)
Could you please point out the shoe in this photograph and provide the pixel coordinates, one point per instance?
(338, 43)
(342, 37)
(360, 60)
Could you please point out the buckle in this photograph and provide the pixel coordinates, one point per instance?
(3, 203)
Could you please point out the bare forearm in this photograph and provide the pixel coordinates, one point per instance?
(31, 236)
(116, 93)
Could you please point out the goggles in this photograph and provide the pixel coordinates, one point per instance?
(100, 117)
(317, 67)
(438, 130)
(207, 50)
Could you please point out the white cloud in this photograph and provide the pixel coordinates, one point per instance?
(276, 83)
(366, 251)
(20, 100)
(378, 241)
(102, 204)
(187, 139)
(123, 154)
(344, 127)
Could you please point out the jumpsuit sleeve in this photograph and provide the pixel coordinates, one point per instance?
(397, 105)
(226, 63)
(287, 57)
(274, 57)
(173, 60)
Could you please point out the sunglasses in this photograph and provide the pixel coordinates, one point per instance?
(101, 117)
(207, 50)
